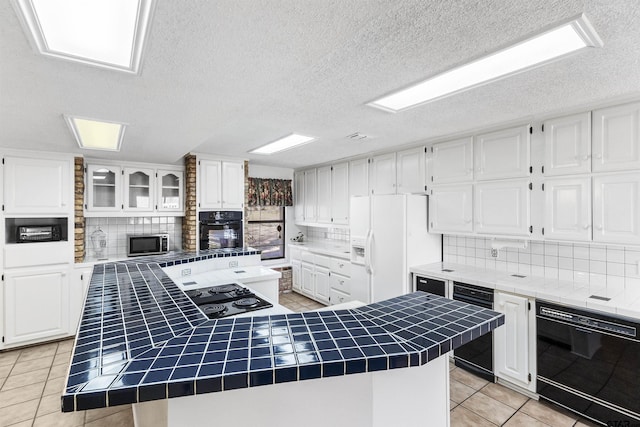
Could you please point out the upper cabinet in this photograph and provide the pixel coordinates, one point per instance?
(567, 209)
(359, 177)
(567, 145)
(323, 194)
(310, 196)
(37, 186)
(616, 138)
(452, 161)
(410, 167)
(298, 196)
(324, 198)
(340, 194)
(616, 208)
(503, 207)
(503, 154)
(451, 209)
(382, 174)
(135, 189)
(221, 184)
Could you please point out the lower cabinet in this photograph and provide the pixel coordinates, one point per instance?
(514, 355)
(320, 277)
(296, 275)
(80, 279)
(36, 304)
(322, 284)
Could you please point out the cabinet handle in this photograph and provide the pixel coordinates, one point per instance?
(586, 226)
(599, 227)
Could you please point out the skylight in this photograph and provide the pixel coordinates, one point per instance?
(540, 49)
(282, 144)
(104, 33)
(96, 135)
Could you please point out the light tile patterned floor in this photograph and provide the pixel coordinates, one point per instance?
(31, 380)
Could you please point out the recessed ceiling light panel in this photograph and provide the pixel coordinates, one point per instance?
(547, 46)
(104, 33)
(96, 135)
(282, 144)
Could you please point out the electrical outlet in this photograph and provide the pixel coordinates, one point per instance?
(494, 253)
(233, 264)
(186, 272)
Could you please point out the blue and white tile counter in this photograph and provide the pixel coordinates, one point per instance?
(141, 339)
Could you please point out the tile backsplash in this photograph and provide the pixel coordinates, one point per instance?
(616, 266)
(116, 230)
(321, 233)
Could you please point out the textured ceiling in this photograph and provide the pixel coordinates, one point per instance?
(224, 77)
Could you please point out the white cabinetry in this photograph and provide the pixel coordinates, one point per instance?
(410, 166)
(502, 207)
(451, 209)
(221, 184)
(340, 194)
(382, 174)
(310, 196)
(502, 154)
(616, 208)
(359, 177)
(567, 209)
(567, 145)
(322, 284)
(452, 161)
(323, 194)
(138, 189)
(296, 275)
(37, 186)
(36, 303)
(616, 138)
(103, 188)
(512, 342)
(298, 196)
(80, 278)
(308, 279)
(170, 191)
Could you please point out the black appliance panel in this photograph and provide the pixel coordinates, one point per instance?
(220, 229)
(434, 286)
(226, 300)
(589, 362)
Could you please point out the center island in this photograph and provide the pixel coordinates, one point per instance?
(142, 341)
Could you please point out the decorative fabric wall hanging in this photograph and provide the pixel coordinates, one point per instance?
(270, 192)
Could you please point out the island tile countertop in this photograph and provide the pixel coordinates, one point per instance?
(141, 339)
(621, 300)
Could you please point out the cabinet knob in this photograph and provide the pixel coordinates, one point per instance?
(586, 226)
(342, 282)
(599, 227)
(598, 156)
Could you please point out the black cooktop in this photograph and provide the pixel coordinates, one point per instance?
(226, 300)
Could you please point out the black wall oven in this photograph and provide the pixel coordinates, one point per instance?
(220, 229)
(589, 362)
(476, 356)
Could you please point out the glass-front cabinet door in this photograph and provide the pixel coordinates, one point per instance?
(138, 187)
(103, 188)
(170, 191)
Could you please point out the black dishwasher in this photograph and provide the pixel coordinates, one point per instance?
(476, 356)
(434, 286)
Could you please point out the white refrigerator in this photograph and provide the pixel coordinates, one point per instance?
(388, 236)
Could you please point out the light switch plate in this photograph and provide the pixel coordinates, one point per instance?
(186, 272)
(233, 264)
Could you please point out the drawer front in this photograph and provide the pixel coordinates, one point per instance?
(340, 283)
(341, 266)
(323, 261)
(337, 297)
(307, 257)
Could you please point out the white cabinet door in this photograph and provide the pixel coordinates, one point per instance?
(616, 138)
(616, 208)
(139, 189)
(382, 174)
(296, 275)
(410, 166)
(503, 207)
(567, 209)
(359, 177)
(323, 194)
(104, 188)
(308, 279)
(502, 154)
(340, 193)
(310, 196)
(36, 304)
(170, 196)
(34, 186)
(452, 161)
(232, 185)
(451, 209)
(78, 291)
(511, 341)
(567, 145)
(210, 194)
(322, 284)
(298, 196)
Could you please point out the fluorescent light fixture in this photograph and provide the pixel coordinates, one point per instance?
(282, 144)
(549, 45)
(104, 33)
(96, 135)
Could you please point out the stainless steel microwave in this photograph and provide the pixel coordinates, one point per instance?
(147, 244)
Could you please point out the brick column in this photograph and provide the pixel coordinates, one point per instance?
(190, 221)
(78, 209)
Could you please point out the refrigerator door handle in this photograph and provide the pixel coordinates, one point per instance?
(367, 252)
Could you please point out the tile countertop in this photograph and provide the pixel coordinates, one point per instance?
(624, 302)
(335, 248)
(141, 338)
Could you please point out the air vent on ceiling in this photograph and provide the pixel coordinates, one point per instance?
(358, 136)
